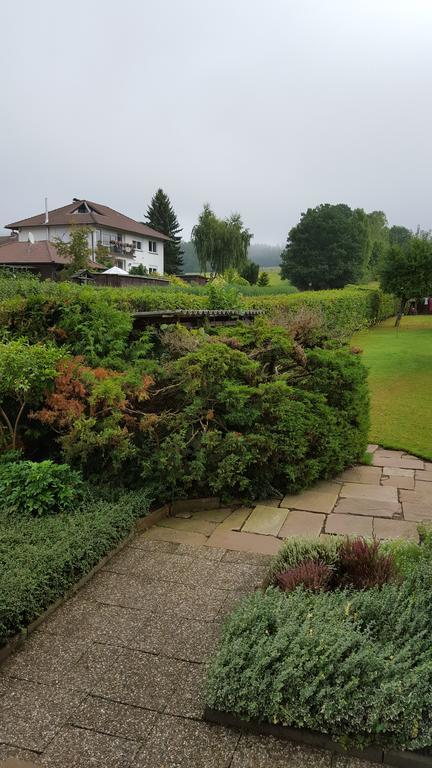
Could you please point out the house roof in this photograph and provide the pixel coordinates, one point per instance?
(86, 213)
(40, 252)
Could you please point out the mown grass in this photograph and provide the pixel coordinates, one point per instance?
(400, 380)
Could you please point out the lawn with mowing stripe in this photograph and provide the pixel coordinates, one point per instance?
(400, 380)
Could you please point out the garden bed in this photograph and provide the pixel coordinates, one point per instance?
(336, 650)
(46, 559)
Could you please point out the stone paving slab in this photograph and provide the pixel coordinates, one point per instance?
(386, 461)
(321, 498)
(159, 533)
(184, 639)
(420, 511)
(245, 542)
(349, 525)
(399, 482)
(301, 523)
(265, 520)
(395, 529)
(424, 475)
(235, 521)
(398, 472)
(194, 524)
(369, 491)
(368, 507)
(361, 474)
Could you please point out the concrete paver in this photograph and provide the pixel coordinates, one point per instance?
(368, 507)
(361, 474)
(245, 542)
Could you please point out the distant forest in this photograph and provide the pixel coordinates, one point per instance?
(262, 254)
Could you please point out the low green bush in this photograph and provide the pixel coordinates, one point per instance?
(354, 664)
(39, 488)
(41, 558)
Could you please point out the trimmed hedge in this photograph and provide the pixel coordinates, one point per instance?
(40, 559)
(353, 664)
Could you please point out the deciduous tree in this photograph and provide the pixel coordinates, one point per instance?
(328, 248)
(407, 272)
(220, 243)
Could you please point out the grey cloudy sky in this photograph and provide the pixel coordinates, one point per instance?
(262, 106)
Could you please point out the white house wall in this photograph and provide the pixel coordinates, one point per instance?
(152, 261)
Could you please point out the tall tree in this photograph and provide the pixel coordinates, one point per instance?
(407, 272)
(400, 236)
(161, 216)
(220, 243)
(378, 241)
(328, 248)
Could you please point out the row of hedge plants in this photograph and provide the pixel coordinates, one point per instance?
(242, 412)
(48, 542)
(338, 643)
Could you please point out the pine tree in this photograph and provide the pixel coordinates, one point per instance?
(160, 215)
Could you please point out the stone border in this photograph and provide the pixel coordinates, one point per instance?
(141, 524)
(396, 758)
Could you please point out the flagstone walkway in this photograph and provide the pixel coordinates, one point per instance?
(114, 678)
(386, 499)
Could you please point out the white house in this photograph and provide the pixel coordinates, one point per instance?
(130, 242)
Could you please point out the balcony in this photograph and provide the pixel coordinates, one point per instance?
(119, 247)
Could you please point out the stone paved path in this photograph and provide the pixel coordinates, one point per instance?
(386, 499)
(115, 676)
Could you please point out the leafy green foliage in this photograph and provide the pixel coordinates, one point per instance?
(328, 248)
(220, 243)
(161, 216)
(76, 251)
(26, 370)
(263, 279)
(250, 272)
(42, 557)
(407, 272)
(39, 488)
(296, 550)
(353, 664)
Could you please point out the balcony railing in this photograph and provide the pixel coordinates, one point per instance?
(119, 247)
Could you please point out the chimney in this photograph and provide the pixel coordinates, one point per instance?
(46, 210)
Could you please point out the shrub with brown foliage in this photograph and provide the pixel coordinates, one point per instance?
(312, 574)
(363, 565)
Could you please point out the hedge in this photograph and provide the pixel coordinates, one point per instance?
(353, 664)
(40, 558)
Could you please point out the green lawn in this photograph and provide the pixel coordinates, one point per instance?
(400, 380)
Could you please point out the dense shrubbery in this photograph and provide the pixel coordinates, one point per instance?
(96, 322)
(41, 558)
(353, 663)
(245, 411)
(39, 488)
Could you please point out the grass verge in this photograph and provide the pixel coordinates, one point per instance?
(400, 375)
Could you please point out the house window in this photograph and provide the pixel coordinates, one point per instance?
(106, 238)
(152, 246)
(152, 270)
(136, 244)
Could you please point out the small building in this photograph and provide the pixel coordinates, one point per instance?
(40, 258)
(193, 278)
(130, 243)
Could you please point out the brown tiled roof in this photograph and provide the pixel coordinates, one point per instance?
(99, 215)
(41, 252)
(8, 239)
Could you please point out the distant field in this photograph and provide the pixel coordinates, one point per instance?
(400, 376)
(274, 275)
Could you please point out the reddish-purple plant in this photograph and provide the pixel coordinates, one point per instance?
(312, 574)
(361, 565)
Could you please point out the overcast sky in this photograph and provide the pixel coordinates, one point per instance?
(266, 107)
